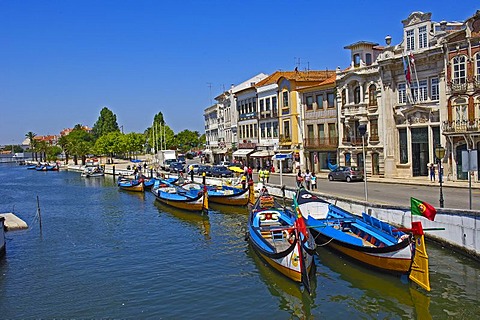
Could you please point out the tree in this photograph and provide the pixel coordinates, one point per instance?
(32, 143)
(63, 143)
(53, 152)
(111, 144)
(134, 142)
(106, 123)
(79, 143)
(159, 135)
(186, 140)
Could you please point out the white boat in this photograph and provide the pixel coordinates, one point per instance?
(93, 171)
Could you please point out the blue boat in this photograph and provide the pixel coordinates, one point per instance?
(178, 197)
(130, 185)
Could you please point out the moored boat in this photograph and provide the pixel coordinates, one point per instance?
(274, 233)
(226, 195)
(2, 236)
(178, 197)
(365, 239)
(93, 171)
(130, 185)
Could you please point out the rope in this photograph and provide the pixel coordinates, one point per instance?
(323, 244)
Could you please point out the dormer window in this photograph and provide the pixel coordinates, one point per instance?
(356, 60)
(368, 59)
(410, 37)
(422, 37)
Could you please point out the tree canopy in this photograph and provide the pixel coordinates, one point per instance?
(106, 123)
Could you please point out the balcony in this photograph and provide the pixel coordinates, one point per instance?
(461, 126)
(354, 141)
(330, 142)
(249, 115)
(284, 139)
(457, 87)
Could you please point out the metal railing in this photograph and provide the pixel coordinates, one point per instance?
(321, 142)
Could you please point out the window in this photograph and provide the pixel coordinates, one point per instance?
(319, 99)
(267, 104)
(309, 102)
(356, 95)
(422, 37)
(269, 130)
(478, 67)
(274, 105)
(419, 90)
(331, 100)
(332, 132)
(459, 69)
(261, 105)
(368, 59)
(372, 95)
(344, 97)
(402, 93)
(402, 135)
(348, 159)
(460, 109)
(310, 134)
(321, 131)
(410, 34)
(275, 129)
(255, 130)
(356, 60)
(434, 94)
(286, 129)
(285, 99)
(262, 130)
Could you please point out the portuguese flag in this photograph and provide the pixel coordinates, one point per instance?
(421, 208)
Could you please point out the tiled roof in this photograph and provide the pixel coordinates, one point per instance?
(311, 75)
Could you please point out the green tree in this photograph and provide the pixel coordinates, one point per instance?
(79, 143)
(111, 144)
(135, 142)
(186, 140)
(106, 123)
(63, 143)
(159, 135)
(32, 143)
(53, 152)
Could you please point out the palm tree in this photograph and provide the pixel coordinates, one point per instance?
(30, 135)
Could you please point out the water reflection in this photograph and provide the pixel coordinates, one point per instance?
(291, 298)
(381, 293)
(198, 220)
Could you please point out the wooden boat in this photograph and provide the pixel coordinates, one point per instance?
(130, 185)
(92, 172)
(365, 239)
(226, 195)
(178, 197)
(273, 233)
(32, 167)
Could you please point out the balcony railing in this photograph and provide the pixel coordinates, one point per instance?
(284, 139)
(461, 126)
(457, 87)
(321, 142)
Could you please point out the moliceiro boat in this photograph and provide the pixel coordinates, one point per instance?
(275, 234)
(179, 197)
(226, 195)
(365, 239)
(130, 185)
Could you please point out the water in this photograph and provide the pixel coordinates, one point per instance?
(105, 253)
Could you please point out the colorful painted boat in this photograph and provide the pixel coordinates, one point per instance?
(365, 239)
(130, 185)
(178, 197)
(273, 234)
(226, 195)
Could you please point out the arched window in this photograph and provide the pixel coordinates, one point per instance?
(460, 111)
(459, 75)
(372, 95)
(356, 60)
(344, 97)
(356, 95)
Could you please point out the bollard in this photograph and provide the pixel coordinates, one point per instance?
(203, 178)
(113, 170)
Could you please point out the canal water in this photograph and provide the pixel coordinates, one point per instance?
(105, 253)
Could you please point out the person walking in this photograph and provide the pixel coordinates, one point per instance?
(299, 179)
(432, 171)
(250, 173)
(314, 181)
(244, 181)
(266, 174)
(261, 177)
(308, 179)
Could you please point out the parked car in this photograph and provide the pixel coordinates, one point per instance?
(346, 174)
(177, 167)
(221, 172)
(207, 169)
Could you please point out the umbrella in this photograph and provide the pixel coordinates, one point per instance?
(235, 169)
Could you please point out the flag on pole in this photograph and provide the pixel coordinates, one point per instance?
(421, 208)
(406, 69)
(299, 222)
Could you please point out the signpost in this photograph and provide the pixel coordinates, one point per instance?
(469, 163)
(280, 157)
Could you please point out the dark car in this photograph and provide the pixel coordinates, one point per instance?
(207, 169)
(346, 174)
(221, 172)
(177, 167)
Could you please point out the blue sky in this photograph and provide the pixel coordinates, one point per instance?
(62, 61)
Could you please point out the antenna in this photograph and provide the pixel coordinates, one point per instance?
(209, 85)
(296, 62)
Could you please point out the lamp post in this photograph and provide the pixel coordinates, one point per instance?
(362, 129)
(440, 153)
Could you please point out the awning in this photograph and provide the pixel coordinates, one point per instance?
(220, 151)
(282, 156)
(242, 152)
(262, 153)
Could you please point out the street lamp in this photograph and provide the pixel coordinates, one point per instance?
(440, 153)
(362, 129)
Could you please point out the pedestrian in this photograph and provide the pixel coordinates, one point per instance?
(244, 181)
(432, 171)
(190, 170)
(261, 177)
(266, 174)
(307, 178)
(314, 181)
(250, 173)
(299, 179)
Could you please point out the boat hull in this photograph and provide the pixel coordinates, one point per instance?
(236, 198)
(180, 198)
(2, 237)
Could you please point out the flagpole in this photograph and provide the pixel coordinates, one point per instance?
(412, 61)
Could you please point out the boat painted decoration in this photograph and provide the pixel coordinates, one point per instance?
(365, 239)
(226, 195)
(274, 235)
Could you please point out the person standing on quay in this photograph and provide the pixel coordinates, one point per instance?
(314, 181)
(431, 168)
(299, 179)
(266, 174)
(308, 179)
(190, 170)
